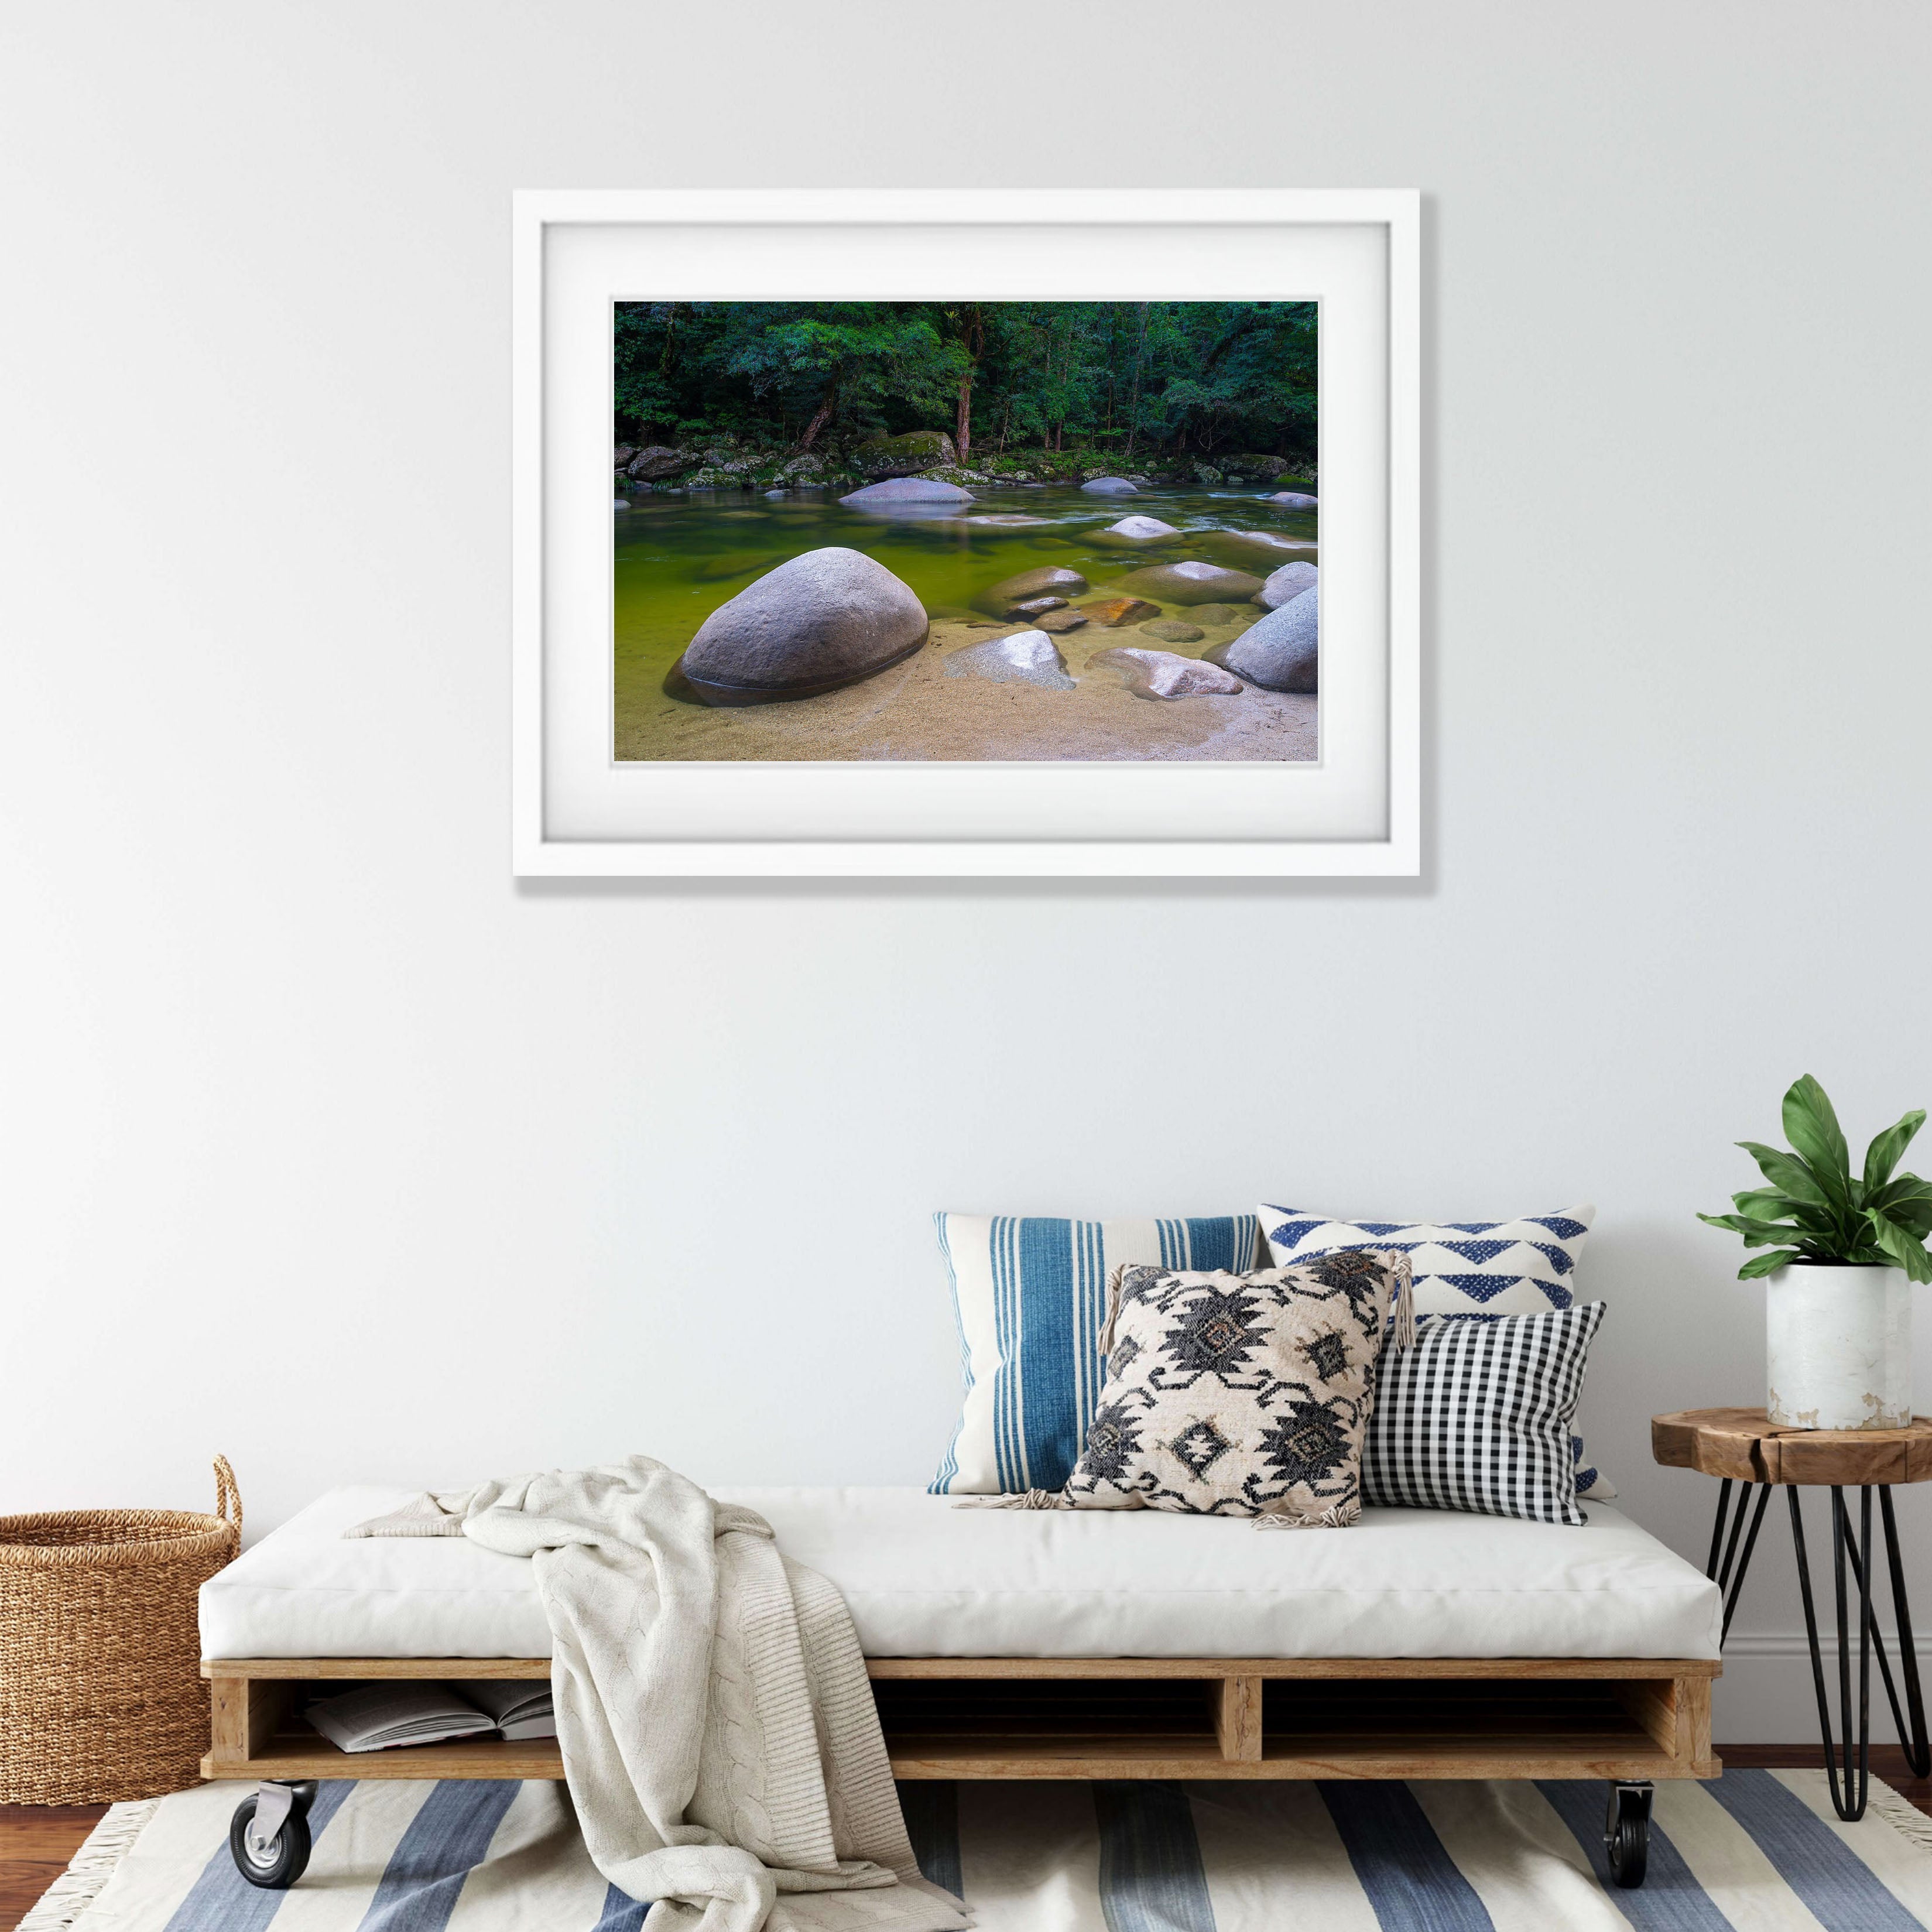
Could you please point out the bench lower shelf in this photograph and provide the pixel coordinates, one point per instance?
(1106, 1717)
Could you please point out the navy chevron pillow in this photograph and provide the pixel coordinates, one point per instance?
(1480, 1268)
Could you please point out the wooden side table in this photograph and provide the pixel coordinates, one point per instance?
(1741, 1445)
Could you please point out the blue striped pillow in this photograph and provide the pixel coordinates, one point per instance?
(1030, 1294)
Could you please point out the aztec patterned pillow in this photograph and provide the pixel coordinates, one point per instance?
(1241, 1395)
(1030, 1294)
(1475, 1415)
(1524, 1267)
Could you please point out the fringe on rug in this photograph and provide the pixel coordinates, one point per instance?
(1901, 1813)
(91, 1867)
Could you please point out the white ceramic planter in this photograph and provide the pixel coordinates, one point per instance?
(1838, 1347)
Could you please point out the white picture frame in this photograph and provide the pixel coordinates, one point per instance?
(1356, 811)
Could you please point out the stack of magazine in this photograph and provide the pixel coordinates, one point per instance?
(379, 1716)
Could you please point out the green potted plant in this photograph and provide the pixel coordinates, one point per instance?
(1842, 1250)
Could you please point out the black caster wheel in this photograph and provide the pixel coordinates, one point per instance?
(1626, 1834)
(276, 1864)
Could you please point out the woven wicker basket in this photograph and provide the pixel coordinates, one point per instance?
(101, 1696)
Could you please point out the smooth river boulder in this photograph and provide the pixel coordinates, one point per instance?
(1191, 583)
(1136, 533)
(907, 490)
(1027, 657)
(1280, 653)
(1165, 673)
(1266, 546)
(1110, 486)
(1287, 583)
(1294, 499)
(1050, 579)
(1172, 630)
(828, 618)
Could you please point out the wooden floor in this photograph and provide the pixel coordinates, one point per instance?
(37, 1841)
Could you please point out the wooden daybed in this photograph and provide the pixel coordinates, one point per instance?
(911, 1568)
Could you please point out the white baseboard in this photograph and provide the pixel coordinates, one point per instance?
(1766, 1696)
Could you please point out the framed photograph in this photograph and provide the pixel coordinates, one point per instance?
(968, 533)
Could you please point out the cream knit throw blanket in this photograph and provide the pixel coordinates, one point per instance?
(717, 1729)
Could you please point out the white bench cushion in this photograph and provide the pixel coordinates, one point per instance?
(926, 1579)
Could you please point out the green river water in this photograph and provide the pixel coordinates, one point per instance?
(678, 558)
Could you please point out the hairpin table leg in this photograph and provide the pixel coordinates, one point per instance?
(1848, 1798)
(1729, 1575)
(1910, 1720)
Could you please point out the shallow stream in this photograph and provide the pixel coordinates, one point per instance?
(678, 558)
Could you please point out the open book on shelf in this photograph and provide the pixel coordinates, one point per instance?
(381, 1716)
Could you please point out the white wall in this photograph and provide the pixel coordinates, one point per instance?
(326, 1144)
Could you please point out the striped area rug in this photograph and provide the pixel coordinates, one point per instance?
(1757, 1851)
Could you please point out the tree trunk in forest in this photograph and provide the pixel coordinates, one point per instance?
(1140, 344)
(973, 337)
(820, 418)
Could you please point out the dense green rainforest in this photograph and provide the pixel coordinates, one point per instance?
(1044, 387)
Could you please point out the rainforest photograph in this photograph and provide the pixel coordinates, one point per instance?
(965, 531)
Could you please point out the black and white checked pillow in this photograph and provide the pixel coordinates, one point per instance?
(1475, 1415)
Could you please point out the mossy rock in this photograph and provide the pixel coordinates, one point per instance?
(910, 455)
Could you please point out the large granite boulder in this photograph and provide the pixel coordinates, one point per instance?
(1110, 486)
(1279, 652)
(1190, 583)
(1135, 533)
(1165, 673)
(1294, 499)
(825, 619)
(1287, 583)
(647, 466)
(1027, 657)
(906, 490)
(906, 455)
(1050, 579)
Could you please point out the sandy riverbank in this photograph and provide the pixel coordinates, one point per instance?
(914, 711)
